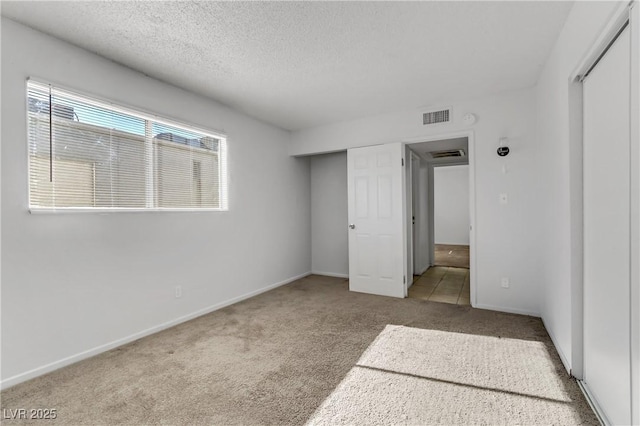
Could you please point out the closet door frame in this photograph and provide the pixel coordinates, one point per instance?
(624, 12)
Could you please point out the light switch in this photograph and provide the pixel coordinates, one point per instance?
(504, 199)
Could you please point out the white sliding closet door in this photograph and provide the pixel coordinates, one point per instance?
(607, 360)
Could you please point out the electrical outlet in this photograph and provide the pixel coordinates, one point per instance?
(178, 291)
(504, 282)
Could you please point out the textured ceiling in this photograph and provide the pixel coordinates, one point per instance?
(304, 64)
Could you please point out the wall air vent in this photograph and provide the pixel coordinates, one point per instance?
(447, 154)
(436, 117)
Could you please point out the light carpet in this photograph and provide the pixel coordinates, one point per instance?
(273, 359)
(417, 377)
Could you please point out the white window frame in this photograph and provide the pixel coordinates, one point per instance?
(148, 117)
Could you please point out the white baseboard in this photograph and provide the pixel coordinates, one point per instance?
(507, 310)
(330, 274)
(39, 371)
(563, 358)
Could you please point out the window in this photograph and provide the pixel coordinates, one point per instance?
(90, 154)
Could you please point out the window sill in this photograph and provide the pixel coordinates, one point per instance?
(99, 210)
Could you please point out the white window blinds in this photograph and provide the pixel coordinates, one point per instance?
(90, 154)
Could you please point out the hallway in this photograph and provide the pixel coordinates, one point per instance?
(442, 284)
(451, 255)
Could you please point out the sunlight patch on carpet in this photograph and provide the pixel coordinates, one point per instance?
(416, 376)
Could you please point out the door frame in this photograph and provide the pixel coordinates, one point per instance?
(432, 208)
(408, 212)
(470, 135)
(634, 22)
(414, 220)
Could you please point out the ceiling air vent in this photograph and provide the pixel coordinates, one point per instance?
(436, 117)
(447, 154)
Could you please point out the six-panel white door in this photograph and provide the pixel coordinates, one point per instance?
(376, 227)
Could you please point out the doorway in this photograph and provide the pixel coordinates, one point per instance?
(451, 216)
(440, 202)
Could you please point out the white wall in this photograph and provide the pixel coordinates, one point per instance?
(451, 205)
(329, 233)
(508, 236)
(73, 284)
(560, 175)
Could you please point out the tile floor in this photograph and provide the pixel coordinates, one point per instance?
(442, 284)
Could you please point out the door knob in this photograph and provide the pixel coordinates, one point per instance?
(352, 226)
